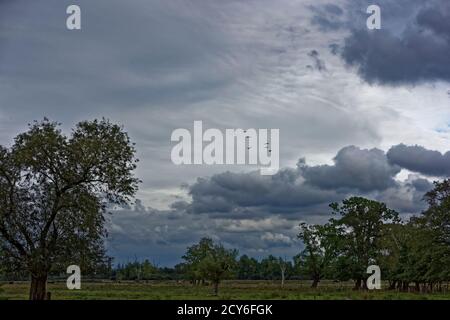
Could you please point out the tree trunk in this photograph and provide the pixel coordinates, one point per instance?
(417, 286)
(405, 286)
(315, 282)
(216, 288)
(364, 284)
(358, 283)
(38, 288)
(392, 284)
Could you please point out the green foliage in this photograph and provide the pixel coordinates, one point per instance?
(366, 232)
(248, 268)
(419, 251)
(359, 230)
(321, 246)
(269, 268)
(210, 261)
(194, 256)
(219, 264)
(137, 271)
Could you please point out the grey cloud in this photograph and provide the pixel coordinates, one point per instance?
(304, 192)
(436, 18)
(407, 197)
(420, 159)
(354, 168)
(381, 57)
(111, 61)
(334, 9)
(327, 17)
(282, 192)
(422, 185)
(411, 47)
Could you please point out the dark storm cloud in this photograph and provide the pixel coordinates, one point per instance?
(412, 46)
(282, 192)
(436, 19)
(354, 168)
(421, 160)
(306, 191)
(381, 57)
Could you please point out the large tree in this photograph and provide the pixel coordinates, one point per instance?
(54, 191)
(360, 228)
(436, 222)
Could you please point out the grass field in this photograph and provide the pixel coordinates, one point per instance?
(229, 290)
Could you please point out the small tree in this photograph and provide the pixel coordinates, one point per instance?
(283, 266)
(320, 243)
(219, 264)
(193, 256)
(54, 190)
(207, 260)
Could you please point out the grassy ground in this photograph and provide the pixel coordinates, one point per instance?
(229, 290)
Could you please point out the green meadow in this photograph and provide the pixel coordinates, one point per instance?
(229, 290)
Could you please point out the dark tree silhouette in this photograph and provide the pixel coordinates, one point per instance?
(54, 191)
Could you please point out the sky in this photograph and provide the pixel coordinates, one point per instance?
(360, 112)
